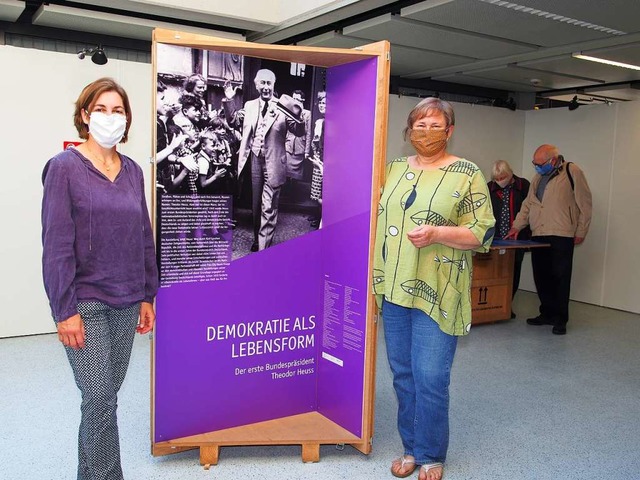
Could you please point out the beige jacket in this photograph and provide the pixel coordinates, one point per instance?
(563, 212)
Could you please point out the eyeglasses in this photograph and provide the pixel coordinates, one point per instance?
(541, 164)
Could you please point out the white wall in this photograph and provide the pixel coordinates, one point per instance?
(482, 134)
(584, 136)
(39, 89)
(622, 263)
(603, 140)
(38, 98)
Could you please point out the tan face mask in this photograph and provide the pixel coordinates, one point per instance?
(428, 142)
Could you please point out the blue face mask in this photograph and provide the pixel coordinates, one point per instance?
(544, 169)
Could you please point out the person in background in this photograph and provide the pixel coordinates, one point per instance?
(196, 85)
(99, 265)
(167, 106)
(433, 213)
(298, 148)
(317, 158)
(558, 210)
(508, 191)
(214, 162)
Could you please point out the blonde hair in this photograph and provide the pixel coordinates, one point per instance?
(499, 168)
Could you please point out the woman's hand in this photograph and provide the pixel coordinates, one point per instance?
(147, 317)
(71, 332)
(423, 236)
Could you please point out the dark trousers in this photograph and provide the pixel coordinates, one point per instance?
(517, 268)
(552, 274)
(264, 203)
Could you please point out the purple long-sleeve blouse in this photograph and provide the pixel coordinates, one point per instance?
(96, 236)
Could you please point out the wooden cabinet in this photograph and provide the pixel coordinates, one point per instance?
(491, 285)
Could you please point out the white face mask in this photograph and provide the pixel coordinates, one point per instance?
(504, 182)
(107, 130)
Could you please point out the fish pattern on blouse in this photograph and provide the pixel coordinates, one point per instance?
(378, 277)
(459, 264)
(461, 167)
(419, 288)
(471, 202)
(428, 217)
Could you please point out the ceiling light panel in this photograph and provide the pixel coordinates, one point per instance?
(485, 82)
(404, 60)
(522, 76)
(625, 53)
(333, 40)
(10, 10)
(409, 33)
(108, 24)
(554, 16)
(605, 61)
(485, 18)
(581, 68)
(205, 12)
(620, 15)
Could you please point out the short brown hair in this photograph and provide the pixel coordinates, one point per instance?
(88, 98)
(427, 106)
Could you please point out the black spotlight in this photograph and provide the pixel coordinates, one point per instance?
(573, 104)
(97, 55)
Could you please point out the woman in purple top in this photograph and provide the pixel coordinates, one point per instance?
(99, 265)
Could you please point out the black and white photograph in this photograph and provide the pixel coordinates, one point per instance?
(247, 128)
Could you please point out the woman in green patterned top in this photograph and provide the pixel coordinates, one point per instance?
(434, 211)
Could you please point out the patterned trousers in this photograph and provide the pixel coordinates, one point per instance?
(99, 370)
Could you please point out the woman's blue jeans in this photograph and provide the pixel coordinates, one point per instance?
(420, 356)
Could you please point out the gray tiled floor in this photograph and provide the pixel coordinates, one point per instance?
(525, 404)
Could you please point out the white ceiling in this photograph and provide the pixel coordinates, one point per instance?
(523, 46)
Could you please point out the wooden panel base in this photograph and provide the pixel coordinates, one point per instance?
(309, 430)
(491, 286)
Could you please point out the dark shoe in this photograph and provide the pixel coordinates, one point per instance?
(513, 315)
(540, 320)
(254, 247)
(559, 330)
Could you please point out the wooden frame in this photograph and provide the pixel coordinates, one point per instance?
(312, 429)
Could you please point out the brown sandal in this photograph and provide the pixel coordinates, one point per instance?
(400, 463)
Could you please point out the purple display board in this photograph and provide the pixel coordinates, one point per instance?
(345, 241)
(213, 369)
(283, 331)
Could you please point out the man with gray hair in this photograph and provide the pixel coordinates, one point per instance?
(558, 209)
(264, 132)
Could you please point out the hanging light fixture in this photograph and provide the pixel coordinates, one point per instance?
(97, 55)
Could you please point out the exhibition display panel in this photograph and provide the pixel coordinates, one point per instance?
(265, 331)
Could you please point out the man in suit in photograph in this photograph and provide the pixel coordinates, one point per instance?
(264, 132)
